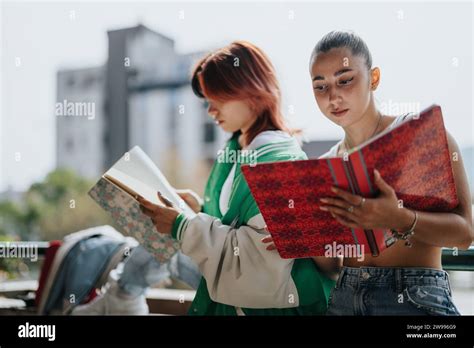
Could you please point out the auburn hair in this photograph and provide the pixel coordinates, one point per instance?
(242, 71)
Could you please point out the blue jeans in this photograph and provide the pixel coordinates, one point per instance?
(391, 291)
(141, 270)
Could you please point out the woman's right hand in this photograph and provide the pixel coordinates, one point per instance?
(191, 198)
(269, 240)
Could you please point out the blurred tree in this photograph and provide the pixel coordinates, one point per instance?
(16, 220)
(52, 208)
(8, 267)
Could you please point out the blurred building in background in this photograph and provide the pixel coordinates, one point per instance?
(141, 96)
(81, 140)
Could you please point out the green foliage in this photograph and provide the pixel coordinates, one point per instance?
(8, 267)
(52, 208)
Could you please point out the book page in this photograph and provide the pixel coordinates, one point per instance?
(137, 171)
(134, 184)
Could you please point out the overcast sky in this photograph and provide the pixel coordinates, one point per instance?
(424, 51)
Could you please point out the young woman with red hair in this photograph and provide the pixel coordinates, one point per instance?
(239, 276)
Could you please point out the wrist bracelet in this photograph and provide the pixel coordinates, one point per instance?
(406, 234)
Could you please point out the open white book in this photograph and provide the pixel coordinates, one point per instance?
(117, 192)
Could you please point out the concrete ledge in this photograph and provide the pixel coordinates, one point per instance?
(160, 301)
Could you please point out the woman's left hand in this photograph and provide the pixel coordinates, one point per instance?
(162, 217)
(355, 211)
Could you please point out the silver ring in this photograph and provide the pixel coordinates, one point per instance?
(350, 209)
(361, 203)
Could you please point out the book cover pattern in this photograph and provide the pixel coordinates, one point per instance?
(125, 211)
(288, 195)
(422, 174)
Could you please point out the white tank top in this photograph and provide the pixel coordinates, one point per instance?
(333, 150)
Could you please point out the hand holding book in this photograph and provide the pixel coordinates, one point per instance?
(162, 216)
(366, 213)
(191, 198)
(354, 211)
(132, 178)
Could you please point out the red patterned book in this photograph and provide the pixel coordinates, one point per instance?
(413, 157)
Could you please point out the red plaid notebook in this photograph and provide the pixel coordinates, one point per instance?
(413, 158)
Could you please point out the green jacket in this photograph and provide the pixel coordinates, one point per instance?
(238, 272)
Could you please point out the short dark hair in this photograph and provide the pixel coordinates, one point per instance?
(346, 39)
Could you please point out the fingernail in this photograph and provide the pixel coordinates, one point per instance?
(323, 208)
(324, 200)
(333, 189)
